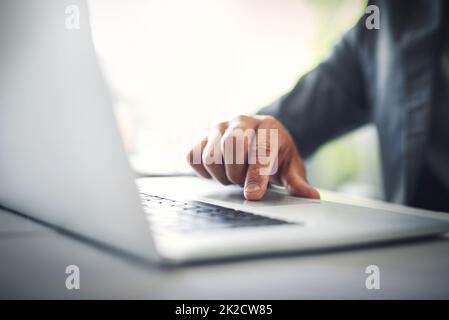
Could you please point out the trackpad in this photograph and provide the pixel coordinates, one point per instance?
(271, 198)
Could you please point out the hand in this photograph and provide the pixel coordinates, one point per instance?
(233, 153)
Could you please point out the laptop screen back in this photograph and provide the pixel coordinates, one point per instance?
(61, 160)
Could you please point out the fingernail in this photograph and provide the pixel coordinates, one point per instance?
(252, 187)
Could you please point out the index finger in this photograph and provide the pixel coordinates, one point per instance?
(263, 160)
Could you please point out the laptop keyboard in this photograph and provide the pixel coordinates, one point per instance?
(168, 215)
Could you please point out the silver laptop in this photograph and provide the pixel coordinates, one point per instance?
(62, 162)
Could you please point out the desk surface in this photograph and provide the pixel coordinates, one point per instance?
(33, 261)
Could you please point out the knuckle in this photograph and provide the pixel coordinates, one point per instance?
(221, 126)
(270, 121)
(247, 133)
(241, 118)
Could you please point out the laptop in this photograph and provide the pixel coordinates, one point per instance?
(62, 162)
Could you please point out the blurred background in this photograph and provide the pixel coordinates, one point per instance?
(175, 68)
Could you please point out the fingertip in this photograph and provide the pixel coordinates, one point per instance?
(253, 196)
(314, 194)
(253, 192)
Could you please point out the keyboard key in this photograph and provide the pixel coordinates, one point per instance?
(168, 215)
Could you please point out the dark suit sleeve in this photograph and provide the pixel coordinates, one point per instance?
(329, 100)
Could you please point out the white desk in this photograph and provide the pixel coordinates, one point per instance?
(33, 261)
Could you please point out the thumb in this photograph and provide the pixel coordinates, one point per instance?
(297, 185)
